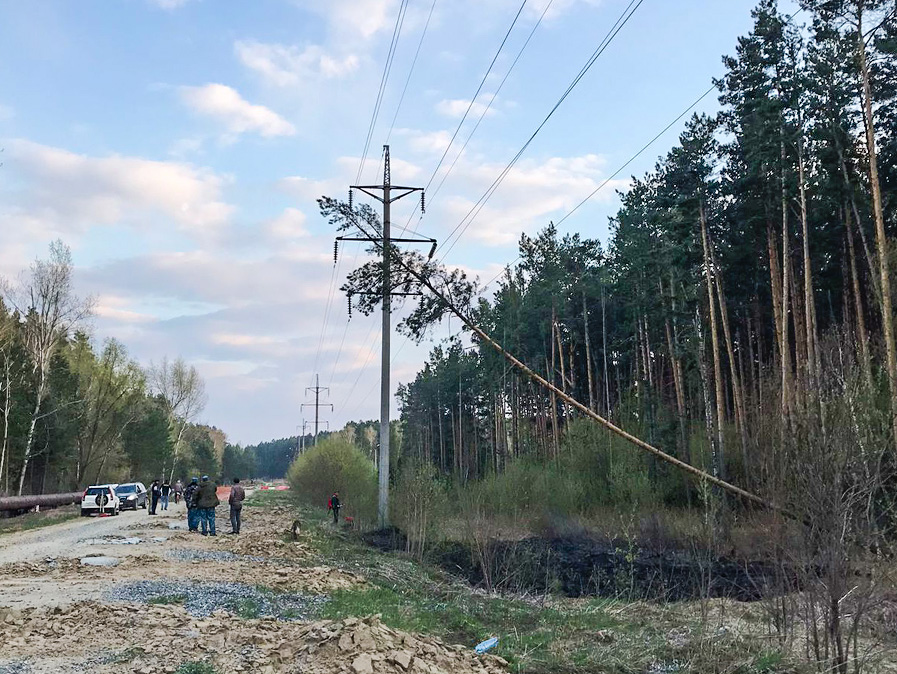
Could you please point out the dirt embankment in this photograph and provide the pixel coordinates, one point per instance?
(247, 603)
(583, 567)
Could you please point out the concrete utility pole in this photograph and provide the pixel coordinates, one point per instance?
(317, 388)
(386, 197)
(300, 446)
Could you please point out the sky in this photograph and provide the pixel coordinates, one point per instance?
(178, 148)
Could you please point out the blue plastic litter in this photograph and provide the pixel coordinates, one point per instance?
(484, 646)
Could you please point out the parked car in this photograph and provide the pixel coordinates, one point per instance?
(132, 495)
(100, 499)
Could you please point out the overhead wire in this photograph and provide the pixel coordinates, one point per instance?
(614, 174)
(483, 113)
(389, 133)
(411, 70)
(470, 105)
(466, 112)
(387, 68)
(471, 215)
(361, 370)
(384, 78)
(635, 156)
(618, 25)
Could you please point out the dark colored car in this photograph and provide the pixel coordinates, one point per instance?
(132, 495)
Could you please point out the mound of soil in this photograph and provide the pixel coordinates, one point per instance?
(159, 639)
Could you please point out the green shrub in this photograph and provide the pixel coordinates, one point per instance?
(419, 503)
(337, 465)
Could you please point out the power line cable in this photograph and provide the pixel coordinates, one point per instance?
(615, 173)
(411, 70)
(483, 114)
(387, 67)
(627, 163)
(477, 93)
(384, 78)
(471, 215)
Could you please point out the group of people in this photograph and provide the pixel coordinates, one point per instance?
(161, 492)
(201, 498)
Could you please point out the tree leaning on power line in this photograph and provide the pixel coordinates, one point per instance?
(364, 284)
(51, 310)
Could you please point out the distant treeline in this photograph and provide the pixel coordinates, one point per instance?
(74, 411)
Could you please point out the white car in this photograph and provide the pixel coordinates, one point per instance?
(100, 499)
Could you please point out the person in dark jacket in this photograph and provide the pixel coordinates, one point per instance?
(155, 493)
(237, 496)
(206, 499)
(166, 491)
(192, 510)
(334, 505)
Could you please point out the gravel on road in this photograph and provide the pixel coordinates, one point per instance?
(203, 598)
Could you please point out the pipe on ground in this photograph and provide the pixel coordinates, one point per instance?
(43, 500)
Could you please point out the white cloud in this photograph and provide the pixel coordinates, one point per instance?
(288, 225)
(168, 4)
(112, 307)
(426, 142)
(284, 65)
(457, 107)
(360, 18)
(237, 114)
(531, 193)
(66, 191)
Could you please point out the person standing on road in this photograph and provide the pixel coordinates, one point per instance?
(237, 496)
(178, 490)
(206, 501)
(166, 491)
(190, 502)
(155, 492)
(335, 505)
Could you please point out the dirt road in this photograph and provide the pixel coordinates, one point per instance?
(77, 538)
(175, 600)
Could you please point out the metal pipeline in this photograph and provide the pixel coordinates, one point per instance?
(43, 500)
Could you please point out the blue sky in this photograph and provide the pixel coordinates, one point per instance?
(178, 146)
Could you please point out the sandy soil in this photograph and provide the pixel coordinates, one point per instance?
(72, 538)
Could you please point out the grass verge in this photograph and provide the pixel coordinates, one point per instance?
(46, 518)
(538, 635)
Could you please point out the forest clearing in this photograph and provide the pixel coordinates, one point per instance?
(661, 439)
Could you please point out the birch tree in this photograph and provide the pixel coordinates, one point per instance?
(45, 296)
(184, 393)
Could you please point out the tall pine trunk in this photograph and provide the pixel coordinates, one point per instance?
(862, 334)
(809, 301)
(881, 240)
(588, 344)
(714, 341)
(785, 342)
(737, 390)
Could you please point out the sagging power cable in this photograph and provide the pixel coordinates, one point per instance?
(573, 402)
